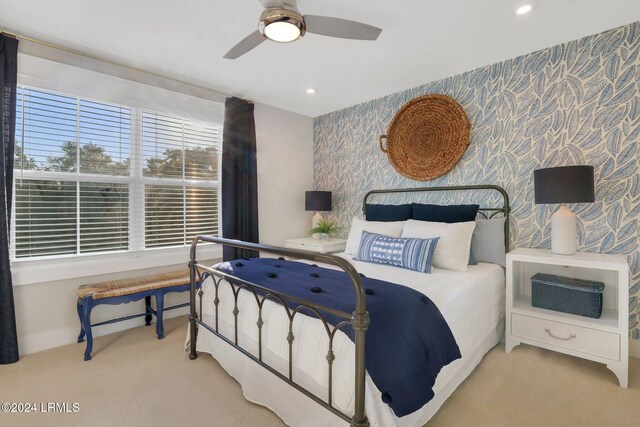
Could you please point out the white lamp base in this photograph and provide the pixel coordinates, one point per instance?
(563, 231)
(314, 223)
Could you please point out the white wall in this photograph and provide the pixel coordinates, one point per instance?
(45, 292)
(285, 172)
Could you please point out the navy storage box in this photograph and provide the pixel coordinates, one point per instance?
(574, 296)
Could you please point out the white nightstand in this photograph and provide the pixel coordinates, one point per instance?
(604, 340)
(330, 246)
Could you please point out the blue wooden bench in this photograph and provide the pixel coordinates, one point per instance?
(125, 291)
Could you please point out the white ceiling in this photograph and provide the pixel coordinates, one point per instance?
(421, 41)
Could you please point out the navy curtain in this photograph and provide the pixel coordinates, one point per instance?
(239, 177)
(8, 81)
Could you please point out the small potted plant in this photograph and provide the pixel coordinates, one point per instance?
(324, 229)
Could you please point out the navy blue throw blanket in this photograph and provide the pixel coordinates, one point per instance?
(408, 341)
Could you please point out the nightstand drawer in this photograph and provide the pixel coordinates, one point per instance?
(590, 341)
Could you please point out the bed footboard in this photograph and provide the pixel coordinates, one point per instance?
(358, 319)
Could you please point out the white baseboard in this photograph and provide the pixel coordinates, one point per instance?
(46, 340)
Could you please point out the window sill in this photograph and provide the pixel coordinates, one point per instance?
(29, 272)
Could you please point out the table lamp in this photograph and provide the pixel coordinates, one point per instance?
(317, 201)
(566, 184)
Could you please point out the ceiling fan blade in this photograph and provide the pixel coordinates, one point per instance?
(245, 45)
(342, 28)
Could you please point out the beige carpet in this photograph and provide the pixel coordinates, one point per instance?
(136, 380)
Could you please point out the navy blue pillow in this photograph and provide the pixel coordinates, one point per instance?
(449, 214)
(388, 213)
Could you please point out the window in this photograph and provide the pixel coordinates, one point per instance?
(90, 176)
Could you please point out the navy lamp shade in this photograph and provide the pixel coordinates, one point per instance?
(317, 201)
(566, 184)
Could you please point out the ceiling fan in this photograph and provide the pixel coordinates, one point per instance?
(282, 22)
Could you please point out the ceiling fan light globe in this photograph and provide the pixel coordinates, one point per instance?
(282, 32)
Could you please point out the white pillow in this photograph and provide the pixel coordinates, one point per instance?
(392, 229)
(452, 250)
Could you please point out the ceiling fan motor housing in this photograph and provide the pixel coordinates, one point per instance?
(273, 15)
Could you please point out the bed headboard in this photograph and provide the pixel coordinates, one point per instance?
(487, 212)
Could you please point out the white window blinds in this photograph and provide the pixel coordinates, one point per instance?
(105, 139)
(181, 155)
(77, 190)
(46, 218)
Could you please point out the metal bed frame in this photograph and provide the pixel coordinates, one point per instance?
(358, 319)
(488, 213)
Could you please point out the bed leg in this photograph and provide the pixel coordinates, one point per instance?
(193, 331)
(193, 336)
(362, 423)
(360, 324)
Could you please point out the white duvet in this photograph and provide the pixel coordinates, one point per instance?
(472, 303)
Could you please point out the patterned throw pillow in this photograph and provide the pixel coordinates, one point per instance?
(411, 253)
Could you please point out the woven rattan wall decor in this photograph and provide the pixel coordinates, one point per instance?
(427, 137)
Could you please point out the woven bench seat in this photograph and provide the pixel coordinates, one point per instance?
(129, 290)
(116, 288)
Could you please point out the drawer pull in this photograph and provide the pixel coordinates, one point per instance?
(548, 331)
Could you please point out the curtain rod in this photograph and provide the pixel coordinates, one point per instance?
(107, 61)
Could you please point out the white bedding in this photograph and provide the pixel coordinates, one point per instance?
(472, 303)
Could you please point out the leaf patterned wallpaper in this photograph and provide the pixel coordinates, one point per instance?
(576, 103)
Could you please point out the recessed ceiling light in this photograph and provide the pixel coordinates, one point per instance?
(524, 9)
(311, 91)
